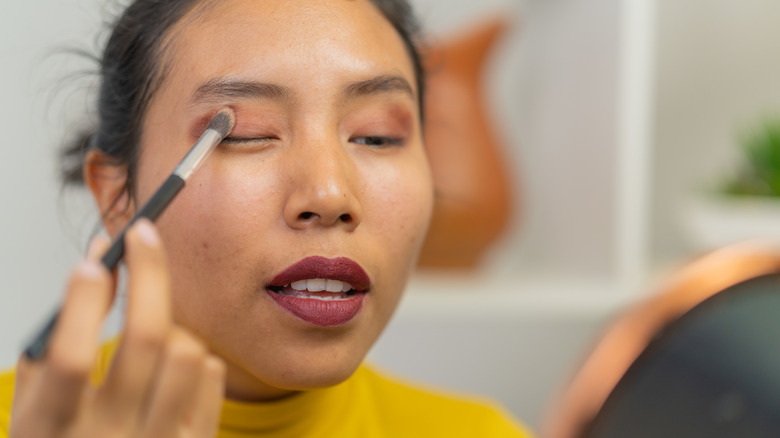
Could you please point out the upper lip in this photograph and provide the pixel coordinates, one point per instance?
(340, 268)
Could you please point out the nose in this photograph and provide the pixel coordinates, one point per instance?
(323, 189)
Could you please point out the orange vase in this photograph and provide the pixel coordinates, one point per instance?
(473, 195)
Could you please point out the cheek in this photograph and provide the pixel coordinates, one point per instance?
(212, 227)
(401, 200)
(399, 204)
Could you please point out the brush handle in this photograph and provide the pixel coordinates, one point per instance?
(151, 210)
(37, 348)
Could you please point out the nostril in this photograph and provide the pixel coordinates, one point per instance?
(308, 215)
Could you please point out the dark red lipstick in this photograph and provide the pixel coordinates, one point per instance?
(342, 269)
(339, 309)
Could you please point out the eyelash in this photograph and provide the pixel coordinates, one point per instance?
(378, 141)
(375, 141)
(246, 140)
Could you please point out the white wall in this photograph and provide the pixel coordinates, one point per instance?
(38, 243)
(718, 74)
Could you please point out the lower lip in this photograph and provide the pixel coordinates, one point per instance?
(318, 312)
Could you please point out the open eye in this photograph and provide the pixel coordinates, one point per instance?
(378, 141)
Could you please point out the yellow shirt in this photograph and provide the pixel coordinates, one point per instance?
(367, 405)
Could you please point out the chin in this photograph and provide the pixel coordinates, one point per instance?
(321, 368)
(292, 369)
(319, 378)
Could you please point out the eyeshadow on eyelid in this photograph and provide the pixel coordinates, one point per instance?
(200, 125)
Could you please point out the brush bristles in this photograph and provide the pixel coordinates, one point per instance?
(223, 122)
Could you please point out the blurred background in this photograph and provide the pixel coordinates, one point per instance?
(619, 122)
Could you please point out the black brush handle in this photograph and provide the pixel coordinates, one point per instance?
(151, 210)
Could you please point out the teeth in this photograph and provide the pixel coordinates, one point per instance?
(333, 285)
(315, 284)
(321, 284)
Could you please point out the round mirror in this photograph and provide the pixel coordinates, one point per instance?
(702, 359)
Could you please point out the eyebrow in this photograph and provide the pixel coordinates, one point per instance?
(379, 84)
(219, 89)
(227, 88)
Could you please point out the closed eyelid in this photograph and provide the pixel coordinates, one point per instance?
(238, 140)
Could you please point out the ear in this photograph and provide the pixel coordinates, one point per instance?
(106, 180)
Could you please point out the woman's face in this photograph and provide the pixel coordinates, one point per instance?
(326, 178)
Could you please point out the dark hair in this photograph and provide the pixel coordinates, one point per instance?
(132, 70)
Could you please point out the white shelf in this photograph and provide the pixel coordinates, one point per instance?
(479, 296)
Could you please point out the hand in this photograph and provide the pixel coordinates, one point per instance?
(162, 383)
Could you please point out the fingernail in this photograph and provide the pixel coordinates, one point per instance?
(146, 232)
(96, 247)
(90, 269)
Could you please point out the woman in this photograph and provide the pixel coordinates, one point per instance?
(322, 184)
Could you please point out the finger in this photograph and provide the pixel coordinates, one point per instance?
(204, 412)
(26, 379)
(147, 325)
(97, 247)
(74, 344)
(25, 370)
(176, 384)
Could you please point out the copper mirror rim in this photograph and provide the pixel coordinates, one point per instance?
(632, 331)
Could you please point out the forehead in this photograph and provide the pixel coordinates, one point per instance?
(272, 38)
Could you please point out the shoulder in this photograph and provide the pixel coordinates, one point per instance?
(412, 409)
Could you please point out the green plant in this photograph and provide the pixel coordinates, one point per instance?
(759, 174)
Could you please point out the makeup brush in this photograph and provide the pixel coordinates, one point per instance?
(219, 127)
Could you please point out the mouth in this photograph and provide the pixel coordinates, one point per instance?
(321, 291)
(325, 289)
